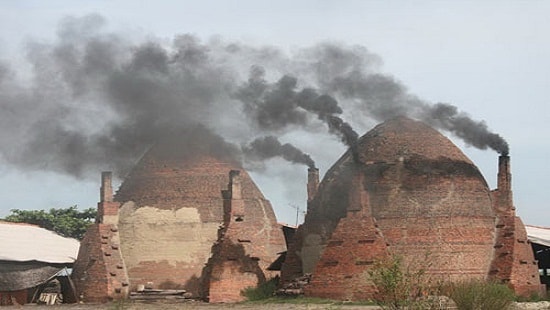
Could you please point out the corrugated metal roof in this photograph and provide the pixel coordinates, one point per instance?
(24, 242)
(539, 235)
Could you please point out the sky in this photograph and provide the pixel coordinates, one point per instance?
(487, 58)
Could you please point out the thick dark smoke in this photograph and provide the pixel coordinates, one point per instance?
(279, 105)
(476, 133)
(96, 100)
(269, 147)
(382, 97)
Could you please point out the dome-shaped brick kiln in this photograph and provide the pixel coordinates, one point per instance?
(407, 191)
(187, 217)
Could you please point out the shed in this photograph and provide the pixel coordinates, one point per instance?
(540, 241)
(30, 258)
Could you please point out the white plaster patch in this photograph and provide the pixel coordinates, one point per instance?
(178, 237)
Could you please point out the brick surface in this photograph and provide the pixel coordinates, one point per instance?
(173, 216)
(429, 201)
(99, 273)
(513, 261)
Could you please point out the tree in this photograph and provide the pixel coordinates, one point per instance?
(68, 222)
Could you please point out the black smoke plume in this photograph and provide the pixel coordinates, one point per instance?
(279, 105)
(381, 97)
(476, 133)
(96, 100)
(269, 147)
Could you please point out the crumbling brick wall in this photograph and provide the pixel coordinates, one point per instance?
(513, 259)
(354, 247)
(342, 272)
(99, 273)
(248, 243)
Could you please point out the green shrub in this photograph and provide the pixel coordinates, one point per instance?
(482, 295)
(263, 291)
(402, 287)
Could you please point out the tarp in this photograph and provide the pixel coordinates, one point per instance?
(25, 242)
(16, 276)
(539, 235)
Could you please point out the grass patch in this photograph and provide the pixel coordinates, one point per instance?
(263, 291)
(478, 294)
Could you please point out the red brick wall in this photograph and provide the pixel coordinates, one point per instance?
(250, 240)
(513, 260)
(232, 272)
(525, 278)
(99, 272)
(342, 272)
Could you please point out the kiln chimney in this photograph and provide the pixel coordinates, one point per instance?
(236, 201)
(107, 209)
(312, 182)
(504, 175)
(503, 197)
(106, 191)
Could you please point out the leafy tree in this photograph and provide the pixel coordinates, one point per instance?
(68, 222)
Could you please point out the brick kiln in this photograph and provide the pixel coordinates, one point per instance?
(185, 218)
(409, 191)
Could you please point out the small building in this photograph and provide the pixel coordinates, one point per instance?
(31, 258)
(540, 242)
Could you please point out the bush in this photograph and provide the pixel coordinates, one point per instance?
(402, 287)
(478, 294)
(263, 291)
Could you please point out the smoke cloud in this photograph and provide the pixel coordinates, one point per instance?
(280, 105)
(97, 100)
(269, 147)
(447, 117)
(382, 97)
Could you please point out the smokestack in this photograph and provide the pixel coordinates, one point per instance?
(236, 201)
(312, 183)
(107, 209)
(504, 175)
(106, 191)
(504, 198)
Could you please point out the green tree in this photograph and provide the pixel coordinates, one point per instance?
(68, 222)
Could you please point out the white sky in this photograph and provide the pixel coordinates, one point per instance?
(489, 58)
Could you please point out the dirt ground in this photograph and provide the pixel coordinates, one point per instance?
(184, 305)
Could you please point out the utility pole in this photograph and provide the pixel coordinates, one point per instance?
(293, 206)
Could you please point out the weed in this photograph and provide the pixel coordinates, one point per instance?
(479, 294)
(401, 286)
(262, 291)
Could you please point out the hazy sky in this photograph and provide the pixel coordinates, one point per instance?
(488, 58)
